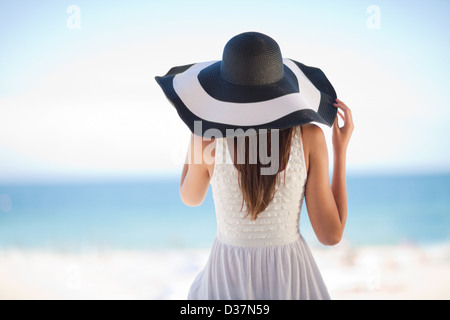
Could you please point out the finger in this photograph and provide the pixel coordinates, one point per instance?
(336, 123)
(348, 115)
(339, 105)
(342, 106)
(343, 118)
(341, 102)
(347, 111)
(348, 121)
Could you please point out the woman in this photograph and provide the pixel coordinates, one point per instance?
(259, 252)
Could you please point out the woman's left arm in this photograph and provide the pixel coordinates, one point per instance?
(195, 176)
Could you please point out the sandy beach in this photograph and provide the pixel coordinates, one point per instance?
(390, 272)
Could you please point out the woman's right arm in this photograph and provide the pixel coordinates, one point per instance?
(327, 205)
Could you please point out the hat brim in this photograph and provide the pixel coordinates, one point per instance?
(209, 105)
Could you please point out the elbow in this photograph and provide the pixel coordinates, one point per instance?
(331, 239)
(191, 201)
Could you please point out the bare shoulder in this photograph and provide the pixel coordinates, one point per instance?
(311, 128)
(209, 150)
(201, 143)
(314, 144)
(209, 154)
(312, 135)
(203, 152)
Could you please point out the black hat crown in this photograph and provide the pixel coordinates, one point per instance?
(252, 58)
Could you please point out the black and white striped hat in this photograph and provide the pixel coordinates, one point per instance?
(251, 87)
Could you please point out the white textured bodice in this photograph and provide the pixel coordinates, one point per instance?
(279, 223)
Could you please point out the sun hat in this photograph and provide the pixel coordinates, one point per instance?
(252, 87)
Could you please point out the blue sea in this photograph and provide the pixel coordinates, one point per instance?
(383, 210)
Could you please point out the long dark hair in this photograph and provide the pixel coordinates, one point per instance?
(258, 190)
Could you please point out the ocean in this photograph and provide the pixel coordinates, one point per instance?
(142, 215)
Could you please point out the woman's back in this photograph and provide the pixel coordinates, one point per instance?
(279, 222)
(259, 252)
(265, 258)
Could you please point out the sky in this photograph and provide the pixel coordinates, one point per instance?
(78, 99)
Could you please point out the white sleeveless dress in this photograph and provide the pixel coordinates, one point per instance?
(266, 259)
